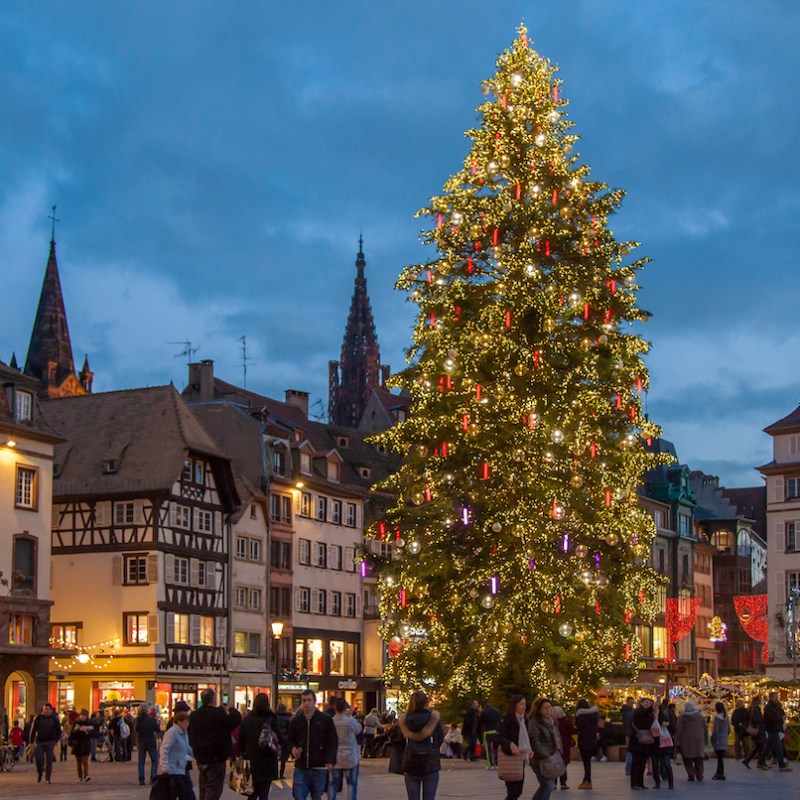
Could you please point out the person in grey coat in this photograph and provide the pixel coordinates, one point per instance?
(719, 739)
(692, 737)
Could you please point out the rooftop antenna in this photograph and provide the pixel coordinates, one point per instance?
(188, 351)
(245, 359)
(53, 227)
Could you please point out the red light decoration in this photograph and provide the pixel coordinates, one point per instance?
(752, 613)
(681, 617)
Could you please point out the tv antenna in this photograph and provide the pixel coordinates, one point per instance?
(245, 359)
(187, 352)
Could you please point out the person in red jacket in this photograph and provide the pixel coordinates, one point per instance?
(17, 738)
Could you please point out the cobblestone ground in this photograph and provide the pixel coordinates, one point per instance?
(458, 779)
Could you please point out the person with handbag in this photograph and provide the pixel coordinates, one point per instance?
(263, 760)
(566, 730)
(513, 747)
(547, 763)
(692, 738)
(424, 735)
(755, 730)
(173, 781)
(642, 742)
(664, 746)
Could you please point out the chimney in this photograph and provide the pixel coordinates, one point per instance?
(294, 397)
(201, 379)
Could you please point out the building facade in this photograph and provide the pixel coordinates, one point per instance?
(27, 445)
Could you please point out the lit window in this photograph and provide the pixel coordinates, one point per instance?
(20, 631)
(246, 643)
(136, 631)
(336, 652)
(177, 628)
(64, 636)
(205, 631)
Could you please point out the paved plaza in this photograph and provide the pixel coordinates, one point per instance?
(458, 779)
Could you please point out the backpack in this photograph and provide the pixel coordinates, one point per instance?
(124, 729)
(417, 757)
(268, 739)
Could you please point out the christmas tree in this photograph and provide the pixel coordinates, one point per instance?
(519, 548)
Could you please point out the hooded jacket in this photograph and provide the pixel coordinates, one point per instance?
(586, 721)
(422, 727)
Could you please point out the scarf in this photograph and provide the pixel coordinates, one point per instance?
(523, 740)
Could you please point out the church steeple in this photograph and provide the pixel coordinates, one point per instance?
(49, 357)
(359, 371)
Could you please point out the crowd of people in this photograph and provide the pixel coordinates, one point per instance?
(328, 745)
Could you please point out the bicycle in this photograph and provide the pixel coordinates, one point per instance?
(104, 750)
(8, 757)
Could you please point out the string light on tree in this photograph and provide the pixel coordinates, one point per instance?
(525, 442)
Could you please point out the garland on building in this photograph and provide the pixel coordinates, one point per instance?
(680, 619)
(519, 546)
(751, 611)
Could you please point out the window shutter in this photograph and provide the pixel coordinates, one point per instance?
(170, 627)
(358, 605)
(297, 605)
(102, 515)
(116, 570)
(780, 536)
(56, 521)
(173, 515)
(220, 631)
(194, 572)
(211, 575)
(315, 599)
(194, 629)
(152, 568)
(152, 628)
(169, 568)
(780, 589)
(777, 490)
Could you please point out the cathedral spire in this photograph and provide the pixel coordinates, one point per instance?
(49, 357)
(359, 371)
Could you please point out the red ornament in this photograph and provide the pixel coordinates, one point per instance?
(495, 235)
(508, 319)
(465, 422)
(470, 266)
(555, 196)
(439, 221)
(477, 391)
(403, 597)
(681, 616)
(519, 191)
(752, 613)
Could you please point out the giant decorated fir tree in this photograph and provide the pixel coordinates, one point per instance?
(519, 547)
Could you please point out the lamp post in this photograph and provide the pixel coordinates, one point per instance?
(277, 632)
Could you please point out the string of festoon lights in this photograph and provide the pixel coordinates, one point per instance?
(85, 655)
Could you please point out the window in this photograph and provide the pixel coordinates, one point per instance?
(199, 471)
(136, 628)
(23, 406)
(793, 581)
(246, 643)
(349, 605)
(658, 517)
(322, 508)
(304, 555)
(352, 519)
(183, 517)
(181, 571)
(683, 524)
(304, 599)
(187, 469)
(177, 628)
(135, 570)
(254, 600)
(248, 548)
(305, 463)
(241, 596)
(320, 601)
(336, 654)
(27, 488)
(279, 462)
(333, 471)
(660, 644)
(311, 656)
(792, 529)
(24, 560)
(335, 556)
(205, 574)
(204, 521)
(320, 554)
(365, 472)
(203, 630)
(350, 559)
(336, 604)
(280, 508)
(20, 629)
(305, 504)
(792, 488)
(280, 601)
(124, 513)
(253, 512)
(336, 512)
(64, 636)
(110, 466)
(280, 554)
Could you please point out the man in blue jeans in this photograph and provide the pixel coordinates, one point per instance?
(146, 729)
(774, 717)
(313, 743)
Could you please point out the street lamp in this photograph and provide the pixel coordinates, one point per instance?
(277, 632)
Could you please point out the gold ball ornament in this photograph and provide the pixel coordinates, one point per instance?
(576, 481)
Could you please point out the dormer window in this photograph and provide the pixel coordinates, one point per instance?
(305, 463)
(279, 462)
(23, 406)
(333, 471)
(400, 414)
(365, 472)
(342, 441)
(110, 466)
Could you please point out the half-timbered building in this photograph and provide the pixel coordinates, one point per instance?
(140, 543)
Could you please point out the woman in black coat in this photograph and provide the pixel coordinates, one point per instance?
(640, 748)
(513, 740)
(587, 720)
(263, 762)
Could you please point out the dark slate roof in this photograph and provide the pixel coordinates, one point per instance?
(751, 502)
(38, 427)
(148, 432)
(788, 423)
